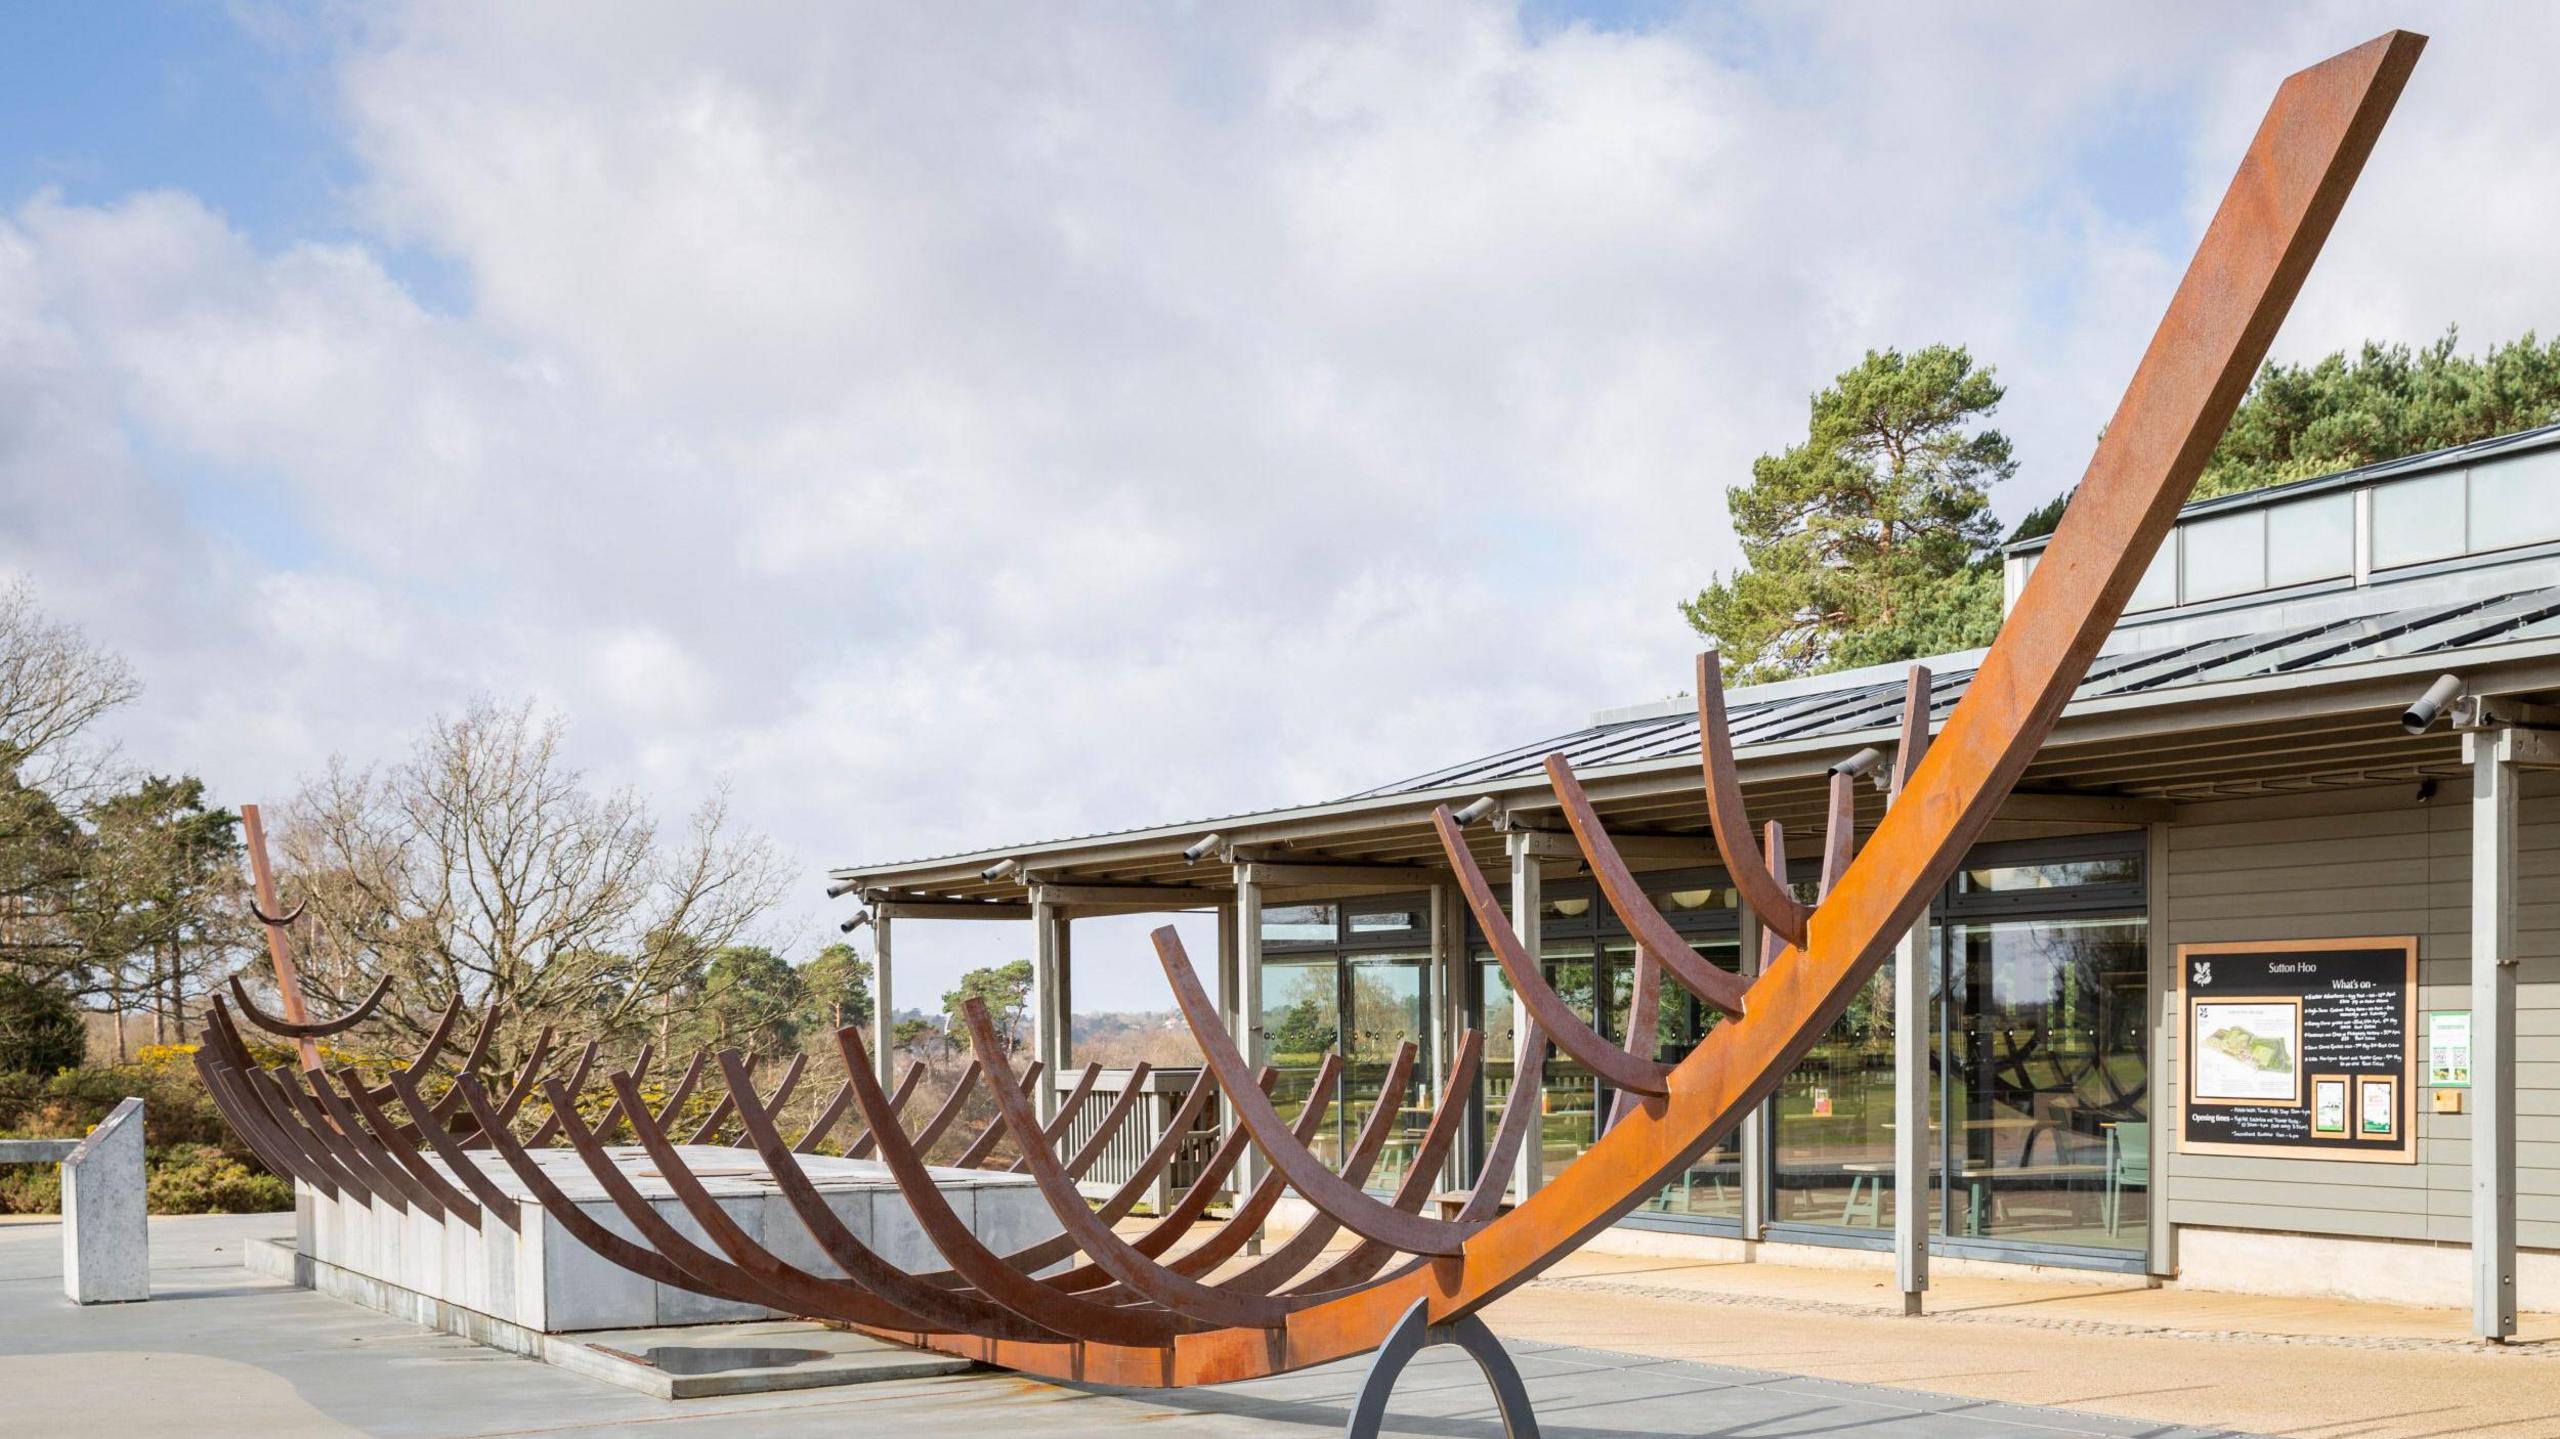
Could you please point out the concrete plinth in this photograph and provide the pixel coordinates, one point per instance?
(538, 1279)
(106, 1236)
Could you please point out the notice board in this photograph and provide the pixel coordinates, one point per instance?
(2301, 1049)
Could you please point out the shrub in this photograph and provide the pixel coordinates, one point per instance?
(30, 1189)
(199, 1179)
(40, 1028)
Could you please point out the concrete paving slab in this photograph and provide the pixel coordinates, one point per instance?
(232, 1354)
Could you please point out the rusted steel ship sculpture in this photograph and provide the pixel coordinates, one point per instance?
(1167, 1304)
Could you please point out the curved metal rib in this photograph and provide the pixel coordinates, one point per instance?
(577, 1080)
(952, 1104)
(708, 1132)
(1839, 832)
(492, 1199)
(1362, 1262)
(1295, 1253)
(318, 1029)
(1572, 1034)
(1627, 899)
(929, 1306)
(247, 1120)
(1189, 1297)
(970, 1258)
(974, 1157)
(1103, 1128)
(639, 1259)
(280, 921)
(397, 1189)
(289, 1122)
(612, 1119)
(1915, 727)
(801, 1291)
(376, 1131)
(1359, 1211)
(1778, 910)
(842, 1100)
(1644, 1025)
(1242, 1222)
(1177, 1132)
(1772, 944)
(527, 1075)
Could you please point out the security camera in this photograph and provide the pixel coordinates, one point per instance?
(1476, 809)
(999, 870)
(857, 922)
(839, 891)
(2419, 717)
(1859, 763)
(1203, 847)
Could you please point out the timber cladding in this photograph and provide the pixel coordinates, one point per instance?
(2264, 873)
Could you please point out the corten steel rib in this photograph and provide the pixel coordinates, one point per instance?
(1127, 1314)
(318, 1029)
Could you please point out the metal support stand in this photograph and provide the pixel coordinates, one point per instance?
(1415, 1333)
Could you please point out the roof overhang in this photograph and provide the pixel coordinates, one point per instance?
(2323, 728)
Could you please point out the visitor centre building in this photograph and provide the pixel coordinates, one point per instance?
(2211, 1000)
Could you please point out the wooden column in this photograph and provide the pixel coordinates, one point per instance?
(884, 1008)
(1449, 1020)
(1752, 1134)
(1913, 1023)
(2492, 755)
(1526, 897)
(1231, 1010)
(1045, 981)
(2160, 1237)
(1247, 1020)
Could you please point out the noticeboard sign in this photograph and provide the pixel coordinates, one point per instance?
(2304, 1049)
(2449, 1049)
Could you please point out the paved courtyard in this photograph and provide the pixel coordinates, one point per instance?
(222, 1352)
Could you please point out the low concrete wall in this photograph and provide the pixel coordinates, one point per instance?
(539, 1278)
(2324, 1266)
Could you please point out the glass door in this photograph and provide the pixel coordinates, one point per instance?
(1388, 998)
(1301, 1024)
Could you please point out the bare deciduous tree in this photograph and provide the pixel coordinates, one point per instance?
(483, 865)
(54, 686)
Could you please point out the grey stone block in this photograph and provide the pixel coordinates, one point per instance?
(106, 1235)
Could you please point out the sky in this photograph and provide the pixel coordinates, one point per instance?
(959, 424)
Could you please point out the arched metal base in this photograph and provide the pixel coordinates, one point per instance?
(1414, 1333)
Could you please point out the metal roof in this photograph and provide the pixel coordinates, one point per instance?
(1853, 708)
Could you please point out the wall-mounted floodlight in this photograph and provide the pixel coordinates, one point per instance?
(1203, 847)
(857, 922)
(839, 891)
(1000, 869)
(2419, 717)
(1476, 809)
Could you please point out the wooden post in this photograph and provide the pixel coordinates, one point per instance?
(1257, 1048)
(1231, 1009)
(279, 948)
(1912, 1024)
(2493, 1032)
(1752, 1134)
(884, 1009)
(1527, 898)
(1044, 1001)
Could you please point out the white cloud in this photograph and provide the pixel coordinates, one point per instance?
(961, 424)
